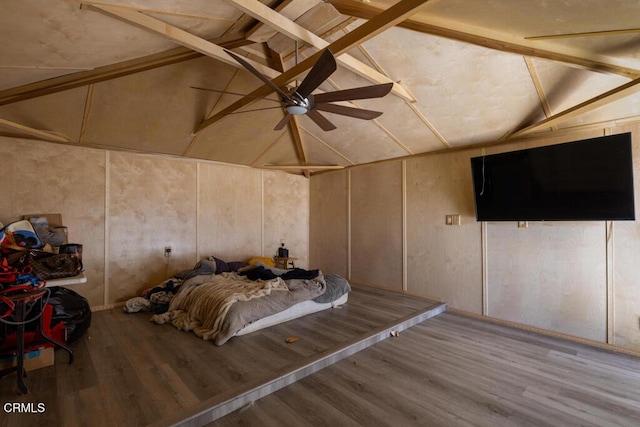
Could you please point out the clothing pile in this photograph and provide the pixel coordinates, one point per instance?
(157, 298)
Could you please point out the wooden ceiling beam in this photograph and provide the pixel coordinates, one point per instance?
(390, 17)
(37, 133)
(179, 36)
(294, 131)
(302, 167)
(286, 26)
(491, 40)
(586, 34)
(207, 14)
(596, 102)
(84, 78)
(108, 72)
(293, 127)
(292, 9)
(537, 84)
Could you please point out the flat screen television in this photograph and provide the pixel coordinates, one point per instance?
(585, 180)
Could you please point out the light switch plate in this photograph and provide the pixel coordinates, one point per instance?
(452, 219)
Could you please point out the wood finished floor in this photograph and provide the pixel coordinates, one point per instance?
(455, 371)
(129, 371)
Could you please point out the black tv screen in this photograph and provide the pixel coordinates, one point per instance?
(583, 180)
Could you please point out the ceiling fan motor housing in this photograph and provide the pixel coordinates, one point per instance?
(298, 105)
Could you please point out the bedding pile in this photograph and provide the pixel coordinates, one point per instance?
(217, 309)
(215, 306)
(216, 300)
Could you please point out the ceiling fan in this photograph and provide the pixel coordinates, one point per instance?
(300, 101)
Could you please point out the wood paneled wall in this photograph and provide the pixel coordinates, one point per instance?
(125, 208)
(329, 214)
(381, 224)
(439, 255)
(576, 278)
(376, 225)
(624, 272)
(549, 275)
(48, 178)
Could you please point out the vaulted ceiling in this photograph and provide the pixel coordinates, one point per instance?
(121, 74)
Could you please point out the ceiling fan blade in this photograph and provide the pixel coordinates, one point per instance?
(233, 93)
(358, 113)
(282, 123)
(258, 74)
(365, 92)
(322, 69)
(320, 120)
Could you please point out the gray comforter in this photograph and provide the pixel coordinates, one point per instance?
(216, 307)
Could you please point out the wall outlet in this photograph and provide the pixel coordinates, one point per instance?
(167, 251)
(452, 219)
(523, 224)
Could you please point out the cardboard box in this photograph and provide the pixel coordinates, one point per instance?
(59, 234)
(53, 220)
(36, 359)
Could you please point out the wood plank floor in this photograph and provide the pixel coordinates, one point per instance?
(129, 371)
(455, 371)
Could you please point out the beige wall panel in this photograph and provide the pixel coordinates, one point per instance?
(628, 107)
(281, 152)
(152, 204)
(566, 87)
(328, 219)
(155, 110)
(319, 153)
(230, 212)
(469, 94)
(546, 139)
(361, 141)
(398, 117)
(626, 272)
(376, 225)
(550, 275)
(286, 215)
(60, 113)
(239, 138)
(245, 135)
(515, 17)
(54, 43)
(38, 177)
(443, 261)
(204, 8)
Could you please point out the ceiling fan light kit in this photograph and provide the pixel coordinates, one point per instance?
(296, 110)
(298, 105)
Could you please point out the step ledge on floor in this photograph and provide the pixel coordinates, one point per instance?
(239, 397)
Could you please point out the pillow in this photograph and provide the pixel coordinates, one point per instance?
(221, 266)
(227, 267)
(236, 265)
(267, 262)
(251, 266)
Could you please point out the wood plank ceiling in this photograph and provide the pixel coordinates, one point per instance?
(120, 74)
